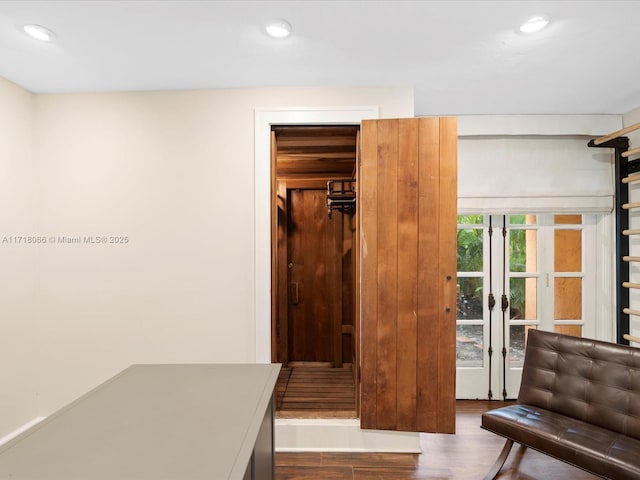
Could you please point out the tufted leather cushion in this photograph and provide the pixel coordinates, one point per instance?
(593, 381)
(598, 450)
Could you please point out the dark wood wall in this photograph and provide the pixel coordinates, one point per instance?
(315, 279)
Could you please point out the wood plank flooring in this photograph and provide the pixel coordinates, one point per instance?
(315, 392)
(467, 455)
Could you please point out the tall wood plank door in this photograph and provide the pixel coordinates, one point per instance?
(315, 279)
(408, 208)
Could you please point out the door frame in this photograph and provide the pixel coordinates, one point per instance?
(264, 119)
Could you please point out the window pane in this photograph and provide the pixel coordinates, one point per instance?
(470, 219)
(469, 298)
(469, 341)
(470, 250)
(517, 343)
(522, 219)
(575, 330)
(523, 296)
(523, 251)
(568, 251)
(568, 299)
(567, 219)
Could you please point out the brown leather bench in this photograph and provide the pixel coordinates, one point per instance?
(579, 402)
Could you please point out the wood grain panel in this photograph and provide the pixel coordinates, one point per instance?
(386, 410)
(280, 268)
(428, 299)
(315, 151)
(318, 341)
(368, 201)
(348, 233)
(407, 274)
(297, 260)
(315, 245)
(274, 251)
(303, 472)
(447, 248)
(409, 170)
(333, 258)
(315, 389)
(356, 278)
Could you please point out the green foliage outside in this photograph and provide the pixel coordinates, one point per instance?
(470, 259)
(469, 252)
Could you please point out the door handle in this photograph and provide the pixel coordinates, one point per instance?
(293, 293)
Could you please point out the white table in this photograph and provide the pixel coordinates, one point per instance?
(169, 422)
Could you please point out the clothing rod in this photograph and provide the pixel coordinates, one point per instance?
(628, 258)
(631, 338)
(633, 151)
(627, 206)
(616, 134)
(629, 311)
(630, 232)
(631, 178)
(630, 285)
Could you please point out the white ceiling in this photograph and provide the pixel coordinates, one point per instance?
(462, 57)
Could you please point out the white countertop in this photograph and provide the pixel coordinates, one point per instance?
(170, 422)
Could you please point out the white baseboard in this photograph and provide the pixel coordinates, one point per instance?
(20, 429)
(339, 435)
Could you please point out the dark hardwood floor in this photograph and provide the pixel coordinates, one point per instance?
(467, 455)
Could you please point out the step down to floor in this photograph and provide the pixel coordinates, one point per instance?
(339, 435)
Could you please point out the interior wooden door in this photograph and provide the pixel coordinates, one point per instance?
(314, 249)
(408, 207)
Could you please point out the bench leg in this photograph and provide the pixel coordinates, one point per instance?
(495, 468)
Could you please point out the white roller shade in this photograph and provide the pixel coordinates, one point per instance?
(533, 174)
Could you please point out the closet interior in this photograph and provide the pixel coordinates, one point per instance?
(314, 231)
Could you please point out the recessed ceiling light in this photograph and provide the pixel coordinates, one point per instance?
(39, 32)
(534, 24)
(279, 29)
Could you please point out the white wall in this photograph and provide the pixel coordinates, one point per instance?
(17, 261)
(632, 118)
(172, 172)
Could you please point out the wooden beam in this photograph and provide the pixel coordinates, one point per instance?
(631, 338)
(345, 141)
(631, 178)
(628, 153)
(616, 134)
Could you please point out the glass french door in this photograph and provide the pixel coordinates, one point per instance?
(515, 273)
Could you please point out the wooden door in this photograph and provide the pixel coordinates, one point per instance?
(314, 250)
(407, 204)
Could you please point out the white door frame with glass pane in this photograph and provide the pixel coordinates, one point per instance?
(535, 271)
